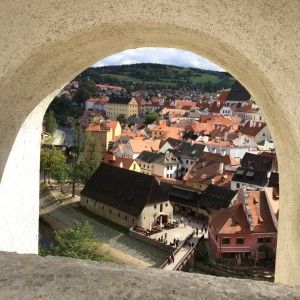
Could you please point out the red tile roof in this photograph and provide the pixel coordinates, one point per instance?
(233, 219)
(252, 128)
(116, 160)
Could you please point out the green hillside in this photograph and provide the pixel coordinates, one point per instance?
(157, 76)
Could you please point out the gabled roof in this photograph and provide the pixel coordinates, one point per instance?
(227, 160)
(246, 109)
(125, 190)
(252, 128)
(238, 93)
(116, 160)
(139, 146)
(256, 177)
(166, 158)
(257, 162)
(147, 157)
(119, 100)
(230, 220)
(189, 150)
(216, 197)
(223, 96)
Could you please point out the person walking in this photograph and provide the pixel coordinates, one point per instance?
(172, 256)
(197, 231)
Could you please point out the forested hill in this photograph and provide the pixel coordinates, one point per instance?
(158, 76)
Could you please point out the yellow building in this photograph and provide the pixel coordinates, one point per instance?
(121, 105)
(104, 132)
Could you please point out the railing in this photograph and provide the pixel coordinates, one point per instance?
(178, 249)
(186, 258)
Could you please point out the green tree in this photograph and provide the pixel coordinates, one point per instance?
(85, 91)
(151, 117)
(50, 122)
(91, 158)
(45, 162)
(122, 119)
(77, 150)
(59, 170)
(75, 242)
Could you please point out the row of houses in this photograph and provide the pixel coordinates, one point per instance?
(215, 164)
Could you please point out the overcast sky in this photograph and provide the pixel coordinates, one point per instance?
(168, 56)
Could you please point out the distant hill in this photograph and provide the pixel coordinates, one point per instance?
(158, 76)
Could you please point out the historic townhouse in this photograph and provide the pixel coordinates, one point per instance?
(121, 105)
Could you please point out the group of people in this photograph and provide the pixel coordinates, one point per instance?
(175, 243)
(170, 259)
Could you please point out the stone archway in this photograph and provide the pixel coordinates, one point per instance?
(44, 45)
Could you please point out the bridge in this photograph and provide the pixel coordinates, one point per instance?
(183, 253)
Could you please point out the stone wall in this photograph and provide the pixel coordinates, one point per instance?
(44, 45)
(34, 277)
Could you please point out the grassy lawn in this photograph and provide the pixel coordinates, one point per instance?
(49, 140)
(204, 78)
(99, 219)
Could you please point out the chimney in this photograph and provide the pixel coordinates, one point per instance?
(191, 142)
(225, 136)
(214, 150)
(121, 164)
(223, 152)
(221, 168)
(240, 139)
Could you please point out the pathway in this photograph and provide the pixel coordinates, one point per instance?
(120, 241)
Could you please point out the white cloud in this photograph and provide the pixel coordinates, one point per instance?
(169, 56)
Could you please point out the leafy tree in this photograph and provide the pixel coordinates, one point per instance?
(53, 163)
(74, 242)
(63, 109)
(265, 249)
(151, 117)
(77, 150)
(122, 119)
(50, 122)
(85, 91)
(90, 159)
(45, 162)
(59, 169)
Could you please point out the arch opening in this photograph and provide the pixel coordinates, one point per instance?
(57, 55)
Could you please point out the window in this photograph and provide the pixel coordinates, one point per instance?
(187, 162)
(132, 221)
(126, 218)
(226, 241)
(264, 240)
(87, 201)
(155, 206)
(166, 204)
(102, 207)
(240, 241)
(94, 203)
(119, 215)
(237, 185)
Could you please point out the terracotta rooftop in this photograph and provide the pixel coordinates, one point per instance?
(252, 128)
(116, 160)
(139, 146)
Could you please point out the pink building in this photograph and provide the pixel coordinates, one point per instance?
(242, 228)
